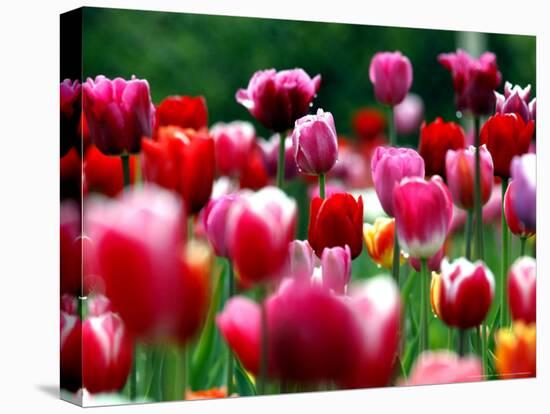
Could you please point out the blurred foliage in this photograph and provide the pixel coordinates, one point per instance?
(190, 54)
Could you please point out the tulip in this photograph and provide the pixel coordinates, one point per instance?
(233, 144)
(270, 150)
(379, 238)
(69, 304)
(368, 123)
(212, 393)
(352, 169)
(533, 109)
(460, 173)
(106, 353)
(462, 294)
(522, 290)
(214, 220)
(388, 167)
(70, 176)
(514, 224)
(300, 260)
(70, 249)
(183, 111)
(336, 268)
(315, 143)
(254, 175)
(278, 99)
(444, 367)
(70, 352)
(101, 173)
(70, 112)
(260, 227)
(436, 139)
(524, 172)
(336, 221)
(98, 305)
(423, 213)
(118, 113)
(505, 136)
(377, 304)
(391, 75)
(183, 161)
(408, 115)
(474, 80)
(433, 263)
(516, 351)
(514, 100)
(139, 238)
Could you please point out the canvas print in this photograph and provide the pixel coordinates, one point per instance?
(259, 207)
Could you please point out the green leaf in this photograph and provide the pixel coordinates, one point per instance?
(245, 387)
(410, 354)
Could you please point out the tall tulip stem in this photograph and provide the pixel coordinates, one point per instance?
(396, 257)
(322, 185)
(522, 243)
(230, 361)
(477, 193)
(469, 233)
(504, 264)
(391, 127)
(462, 338)
(125, 159)
(264, 352)
(185, 370)
(423, 342)
(281, 161)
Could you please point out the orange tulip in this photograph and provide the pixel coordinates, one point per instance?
(516, 351)
(379, 238)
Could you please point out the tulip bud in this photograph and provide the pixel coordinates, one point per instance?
(336, 220)
(514, 100)
(423, 214)
(379, 238)
(214, 219)
(270, 154)
(336, 268)
(524, 173)
(183, 111)
(70, 352)
(522, 290)
(70, 112)
(233, 144)
(444, 367)
(118, 113)
(460, 173)
(391, 75)
(315, 143)
(516, 226)
(278, 99)
(462, 294)
(516, 351)
(300, 260)
(388, 167)
(408, 115)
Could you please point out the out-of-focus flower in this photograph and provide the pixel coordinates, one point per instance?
(336, 268)
(254, 175)
(524, 173)
(388, 167)
(522, 290)
(379, 238)
(491, 211)
(69, 304)
(118, 113)
(423, 214)
(436, 138)
(214, 219)
(352, 169)
(70, 176)
(533, 109)
(70, 249)
(444, 367)
(408, 115)
(106, 353)
(233, 144)
(368, 123)
(391, 74)
(98, 305)
(102, 172)
(70, 357)
(515, 225)
(514, 100)
(336, 220)
(434, 262)
(183, 111)
(260, 227)
(474, 80)
(300, 260)
(70, 112)
(212, 393)
(516, 351)
(315, 143)
(460, 174)
(462, 294)
(506, 135)
(278, 99)
(270, 153)
(183, 161)
(159, 292)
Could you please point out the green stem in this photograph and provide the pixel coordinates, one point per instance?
(504, 264)
(477, 193)
(281, 161)
(469, 233)
(462, 342)
(322, 185)
(133, 375)
(424, 305)
(125, 158)
(483, 347)
(230, 360)
(391, 127)
(185, 370)
(522, 243)
(262, 379)
(396, 257)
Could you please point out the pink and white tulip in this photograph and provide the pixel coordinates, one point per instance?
(300, 260)
(522, 290)
(444, 367)
(214, 220)
(336, 268)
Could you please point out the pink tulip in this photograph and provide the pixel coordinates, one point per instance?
(261, 226)
(515, 225)
(300, 260)
(214, 220)
(69, 304)
(118, 113)
(408, 115)
(444, 367)
(460, 173)
(524, 173)
(277, 99)
(233, 144)
(522, 290)
(98, 305)
(391, 75)
(336, 268)
(70, 357)
(515, 99)
(423, 214)
(270, 155)
(315, 143)
(388, 167)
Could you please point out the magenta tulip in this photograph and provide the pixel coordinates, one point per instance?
(515, 225)
(300, 260)
(233, 144)
(444, 367)
(515, 99)
(278, 99)
(336, 268)
(388, 167)
(423, 214)
(408, 115)
(315, 143)
(391, 75)
(524, 173)
(214, 220)
(522, 290)
(70, 115)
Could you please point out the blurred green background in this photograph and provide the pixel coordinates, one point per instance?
(190, 54)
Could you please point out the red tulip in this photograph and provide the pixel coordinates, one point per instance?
(436, 139)
(70, 176)
(70, 249)
(515, 225)
(506, 135)
(183, 161)
(102, 172)
(444, 367)
(254, 175)
(522, 290)
(183, 111)
(336, 221)
(70, 110)
(106, 353)
(368, 123)
(234, 143)
(71, 352)
(98, 305)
